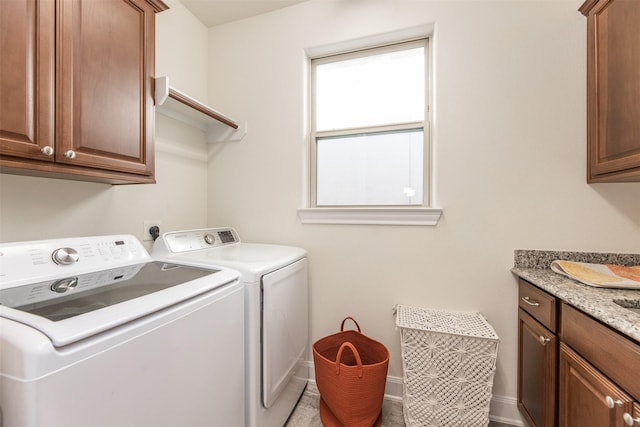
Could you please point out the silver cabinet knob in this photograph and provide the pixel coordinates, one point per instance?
(47, 150)
(544, 340)
(612, 403)
(70, 154)
(629, 420)
(65, 256)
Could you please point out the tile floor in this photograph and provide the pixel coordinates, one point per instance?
(307, 413)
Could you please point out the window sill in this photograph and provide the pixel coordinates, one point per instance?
(382, 216)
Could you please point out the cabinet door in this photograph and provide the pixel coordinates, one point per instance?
(27, 30)
(613, 110)
(586, 397)
(537, 371)
(104, 85)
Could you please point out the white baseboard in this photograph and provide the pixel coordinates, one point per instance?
(503, 409)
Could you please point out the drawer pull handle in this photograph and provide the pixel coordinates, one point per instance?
(612, 403)
(70, 154)
(629, 420)
(530, 301)
(544, 340)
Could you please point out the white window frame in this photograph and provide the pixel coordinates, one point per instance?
(423, 214)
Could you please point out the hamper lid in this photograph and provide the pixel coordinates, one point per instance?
(469, 324)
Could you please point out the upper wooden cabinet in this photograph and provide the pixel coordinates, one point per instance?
(613, 90)
(27, 77)
(76, 88)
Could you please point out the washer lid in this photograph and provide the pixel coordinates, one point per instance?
(72, 308)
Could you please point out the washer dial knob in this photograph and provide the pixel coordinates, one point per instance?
(63, 285)
(209, 239)
(65, 256)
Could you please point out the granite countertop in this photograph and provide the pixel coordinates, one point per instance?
(534, 267)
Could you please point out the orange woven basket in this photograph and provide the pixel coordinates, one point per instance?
(351, 373)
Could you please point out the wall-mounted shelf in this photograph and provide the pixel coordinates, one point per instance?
(175, 104)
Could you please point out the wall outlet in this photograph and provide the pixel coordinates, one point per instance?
(146, 236)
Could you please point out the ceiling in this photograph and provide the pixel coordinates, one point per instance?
(216, 12)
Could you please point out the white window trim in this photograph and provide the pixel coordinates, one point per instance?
(409, 215)
(374, 215)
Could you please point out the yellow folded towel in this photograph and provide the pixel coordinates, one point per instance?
(600, 275)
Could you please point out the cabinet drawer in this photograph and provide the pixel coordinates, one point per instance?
(539, 304)
(609, 351)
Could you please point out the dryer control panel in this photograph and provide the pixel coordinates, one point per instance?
(193, 240)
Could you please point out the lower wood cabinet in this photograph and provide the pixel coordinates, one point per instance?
(537, 371)
(537, 355)
(588, 398)
(573, 370)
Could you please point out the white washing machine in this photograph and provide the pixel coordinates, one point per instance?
(276, 313)
(93, 332)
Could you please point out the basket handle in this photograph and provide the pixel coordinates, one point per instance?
(354, 321)
(355, 353)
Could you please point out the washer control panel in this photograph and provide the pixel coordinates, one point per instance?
(192, 240)
(26, 262)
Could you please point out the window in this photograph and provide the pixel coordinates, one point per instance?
(369, 144)
(369, 111)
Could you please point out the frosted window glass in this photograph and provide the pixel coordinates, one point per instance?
(371, 169)
(371, 91)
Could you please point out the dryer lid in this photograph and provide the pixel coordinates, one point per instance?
(222, 247)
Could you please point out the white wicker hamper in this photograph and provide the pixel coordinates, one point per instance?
(449, 360)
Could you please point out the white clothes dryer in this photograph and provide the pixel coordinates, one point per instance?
(275, 281)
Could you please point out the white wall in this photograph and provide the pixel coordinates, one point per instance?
(509, 150)
(40, 208)
(509, 147)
